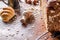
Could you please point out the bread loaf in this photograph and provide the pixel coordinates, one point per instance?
(53, 18)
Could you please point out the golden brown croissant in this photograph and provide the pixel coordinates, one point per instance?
(7, 14)
(28, 1)
(35, 2)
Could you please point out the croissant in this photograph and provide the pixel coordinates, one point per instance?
(28, 1)
(32, 2)
(28, 18)
(7, 14)
(35, 2)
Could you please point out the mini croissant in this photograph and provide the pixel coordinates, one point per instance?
(32, 2)
(28, 18)
(7, 14)
(35, 2)
(28, 1)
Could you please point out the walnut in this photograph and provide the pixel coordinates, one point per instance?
(28, 18)
(7, 14)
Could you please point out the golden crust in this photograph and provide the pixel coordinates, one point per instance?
(9, 8)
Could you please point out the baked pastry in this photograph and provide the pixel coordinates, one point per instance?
(32, 2)
(28, 18)
(7, 14)
(28, 1)
(53, 18)
(35, 2)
